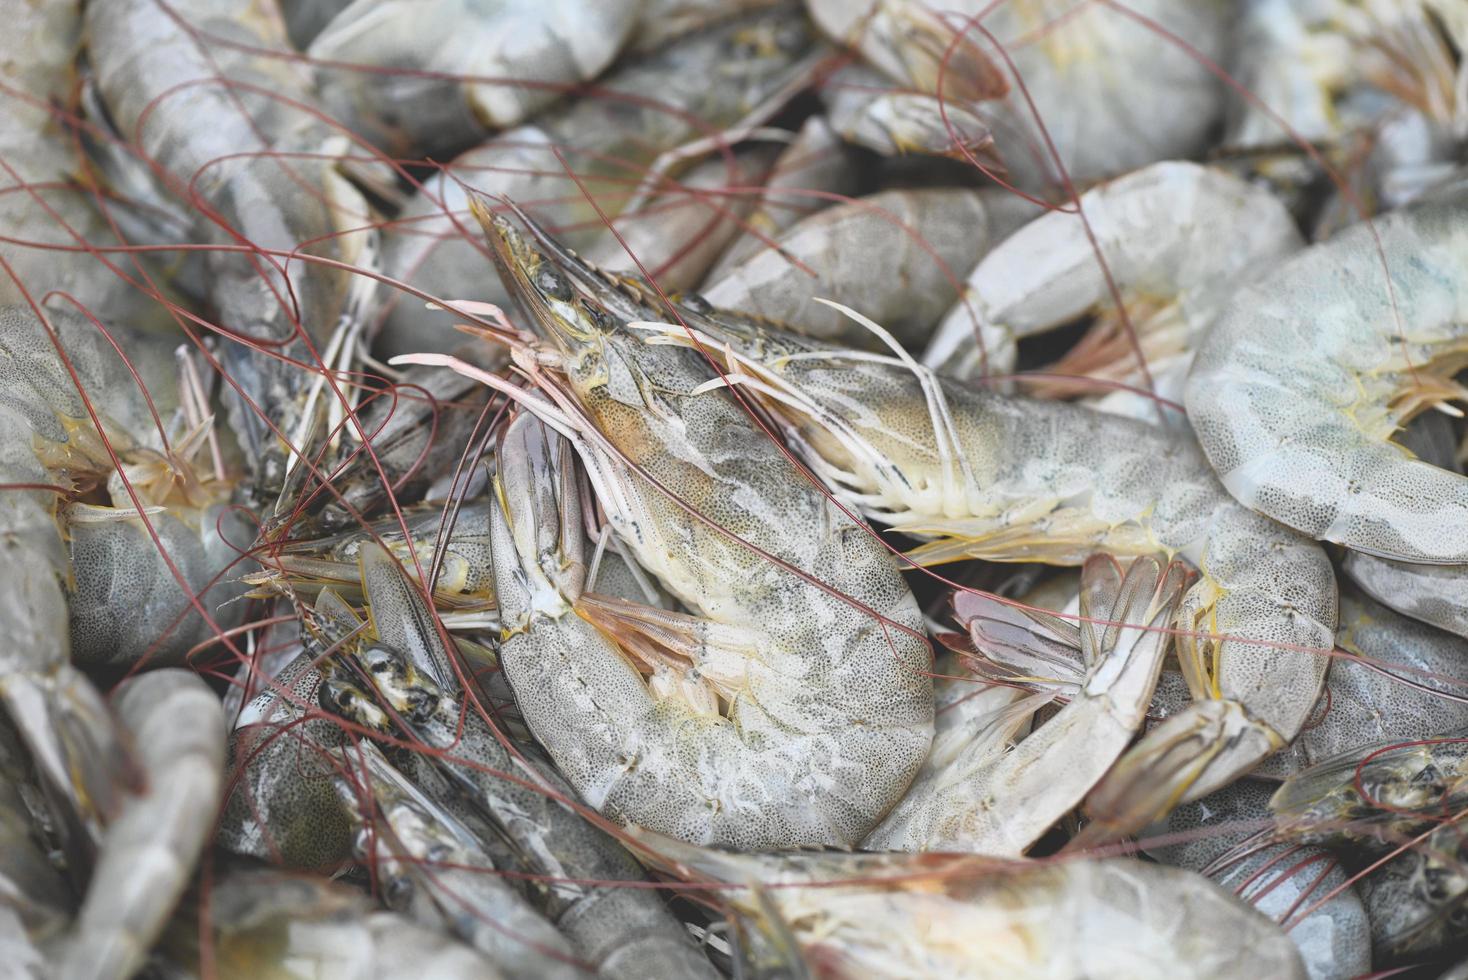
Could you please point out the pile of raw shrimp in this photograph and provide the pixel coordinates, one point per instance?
(754, 488)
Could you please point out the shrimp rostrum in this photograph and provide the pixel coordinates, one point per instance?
(802, 706)
(985, 475)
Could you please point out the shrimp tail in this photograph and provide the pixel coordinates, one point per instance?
(148, 852)
(1197, 751)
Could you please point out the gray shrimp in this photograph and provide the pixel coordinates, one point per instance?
(1113, 91)
(829, 705)
(147, 854)
(964, 915)
(622, 932)
(813, 169)
(458, 70)
(981, 474)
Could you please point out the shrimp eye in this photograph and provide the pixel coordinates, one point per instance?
(381, 660)
(598, 317)
(553, 284)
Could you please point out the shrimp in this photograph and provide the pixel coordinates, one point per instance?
(44, 212)
(1378, 794)
(925, 238)
(811, 170)
(1004, 478)
(1001, 804)
(433, 870)
(1418, 901)
(266, 924)
(147, 854)
(197, 113)
(1432, 594)
(905, 915)
(304, 19)
(830, 709)
(49, 440)
(1307, 373)
(451, 71)
(465, 580)
(35, 901)
(417, 433)
(282, 804)
(1279, 880)
(1404, 800)
(646, 108)
(663, 21)
(1323, 68)
(1176, 239)
(1103, 119)
(622, 932)
(1402, 104)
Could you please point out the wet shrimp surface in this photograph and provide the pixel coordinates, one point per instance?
(770, 488)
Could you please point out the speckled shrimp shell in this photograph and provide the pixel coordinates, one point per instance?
(1305, 377)
(829, 704)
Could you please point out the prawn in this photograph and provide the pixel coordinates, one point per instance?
(1403, 800)
(146, 856)
(434, 870)
(830, 709)
(867, 111)
(1432, 594)
(925, 238)
(812, 170)
(199, 116)
(660, 100)
(1278, 879)
(1399, 683)
(268, 924)
(452, 71)
(680, 232)
(623, 932)
(1307, 373)
(1102, 121)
